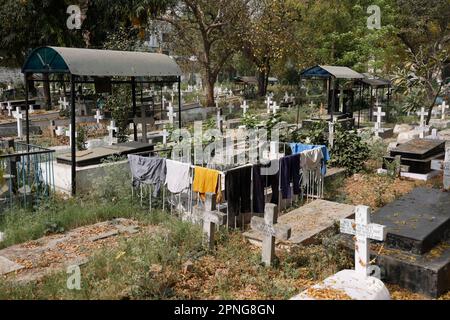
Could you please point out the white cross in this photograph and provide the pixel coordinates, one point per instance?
(18, 115)
(331, 133)
(422, 128)
(31, 108)
(312, 105)
(268, 103)
(286, 97)
(59, 131)
(165, 134)
(9, 108)
(379, 114)
(98, 116)
(69, 134)
(171, 114)
(143, 120)
(364, 230)
(172, 95)
(275, 107)
(63, 104)
(112, 131)
(443, 108)
(211, 218)
(244, 106)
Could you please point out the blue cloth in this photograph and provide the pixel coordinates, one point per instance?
(300, 147)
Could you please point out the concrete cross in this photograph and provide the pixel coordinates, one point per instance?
(422, 126)
(275, 107)
(30, 108)
(18, 115)
(211, 218)
(98, 116)
(286, 97)
(244, 106)
(268, 103)
(112, 132)
(172, 96)
(69, 134)
(9, 108)
(443, 109)
(331, 133)
(363, 230)
(270, 230)
(63, 104)
(171, 114)
(143, 120)
(379, 114)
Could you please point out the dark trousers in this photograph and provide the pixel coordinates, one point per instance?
(237, 191)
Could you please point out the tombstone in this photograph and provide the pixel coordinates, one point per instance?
(31, 109)
(9, 108)
(244, 107)
(98, 116)
(171, 114)
(379, 114)
(230, 108)
(275, 107)
(434, 135)
(144, 121)
(63, 104)
(422, 127)
(69, 134)
(364, 231)
(443, 110)
(446, 166)
(270, 229)
(212, 218)
(269, 104)
(286, 97)
(112, 133)
(18, 115)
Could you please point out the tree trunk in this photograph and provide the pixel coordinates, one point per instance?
(433, 101)
(262, 84)
(210, 81)
(47, 93)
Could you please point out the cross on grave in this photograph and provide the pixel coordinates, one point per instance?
(331, 133)
(63, 104)
(171, 114)
(9, 108)
(443, 108)
(165, 134)
(98, 116)
(270, 229)
(378, 114)
(69, 134)
(422, 126)
(112, 132)
(312, 105)
(244, 107)
(143, 120)
(18, 115)
(268, 103)
(211, 218)
(286, 97)
(52, 128)
(363, 230)
(31, 108)
(275, 107)
(59, 131)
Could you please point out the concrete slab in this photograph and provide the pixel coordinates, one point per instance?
(8, 266)
(309, 221)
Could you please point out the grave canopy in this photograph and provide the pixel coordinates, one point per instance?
(331, 71)
(100, 63)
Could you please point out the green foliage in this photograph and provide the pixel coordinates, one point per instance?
(81, 138)
(250, 120)
(119, 103)
(349, 150)
(316, 134)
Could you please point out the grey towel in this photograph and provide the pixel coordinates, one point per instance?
(148, 171)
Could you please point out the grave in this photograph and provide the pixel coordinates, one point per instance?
(308, 222)
(212, 219)
(416, 254)
(18, 115)
(418, 154)
(354, 284)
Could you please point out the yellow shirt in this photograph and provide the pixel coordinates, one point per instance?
(207, 180)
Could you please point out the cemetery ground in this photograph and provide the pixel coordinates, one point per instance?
(164, 257)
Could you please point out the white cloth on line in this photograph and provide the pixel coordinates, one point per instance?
(177, 177)
(311, 164)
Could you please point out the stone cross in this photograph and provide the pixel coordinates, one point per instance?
(443, 108)
(18, 115)
(286, 97)
(170, 113)
(446, 167)
(269, 103)
(211, 218)
(9, 108)
(422, 126)
(31, 108)
(275, 107)
(331, 133)
(244, 107)
(63, 104)
(69, 134)
(378, 114)
(364, 231)
(112, 130)
(98, 116)
(143, 120)
(270, 229)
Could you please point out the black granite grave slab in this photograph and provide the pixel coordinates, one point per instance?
(417, 221)
(421, 166)
(419, 149)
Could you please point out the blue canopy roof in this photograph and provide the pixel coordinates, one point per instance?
(331, 71)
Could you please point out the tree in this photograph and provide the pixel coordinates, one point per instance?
(204, 31)
(269, 37)
(423, 30)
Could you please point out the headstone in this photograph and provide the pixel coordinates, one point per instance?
(244, 107)
(112, 132)
(444, 107)
(171, 114)
(69, 134)
(275, 107)
(364, 231)
(172, 96)
(271, 230)
(269, 104)
(9, 108)
(98, 116)
(18, 115)
(211, 219)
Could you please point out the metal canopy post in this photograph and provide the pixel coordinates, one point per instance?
(179, 102)
(133, 98)
(26, 108)
(333, 100)
(73, 135)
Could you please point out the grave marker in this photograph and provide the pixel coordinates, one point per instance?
(165, 134)
(422, 128)
(275, 107)
(443, 109)
(171, 114)
(60, 131)
(18, 115)
(30, 108)
(98, 116)
(143, 120)
(364, 230)
(244, 107)
(9, 108)
(112, 131)
(379, 114)
(63, 104)
(331, 133)
(211, 219)
(269, 104)
(270, 229)
(69, 134)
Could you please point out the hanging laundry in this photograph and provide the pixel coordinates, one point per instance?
(290, 172)
(299, 147)
(148, 171)
(259, 183)
(178, 177)
(207, 180)
(311, 163)
(237, 190)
